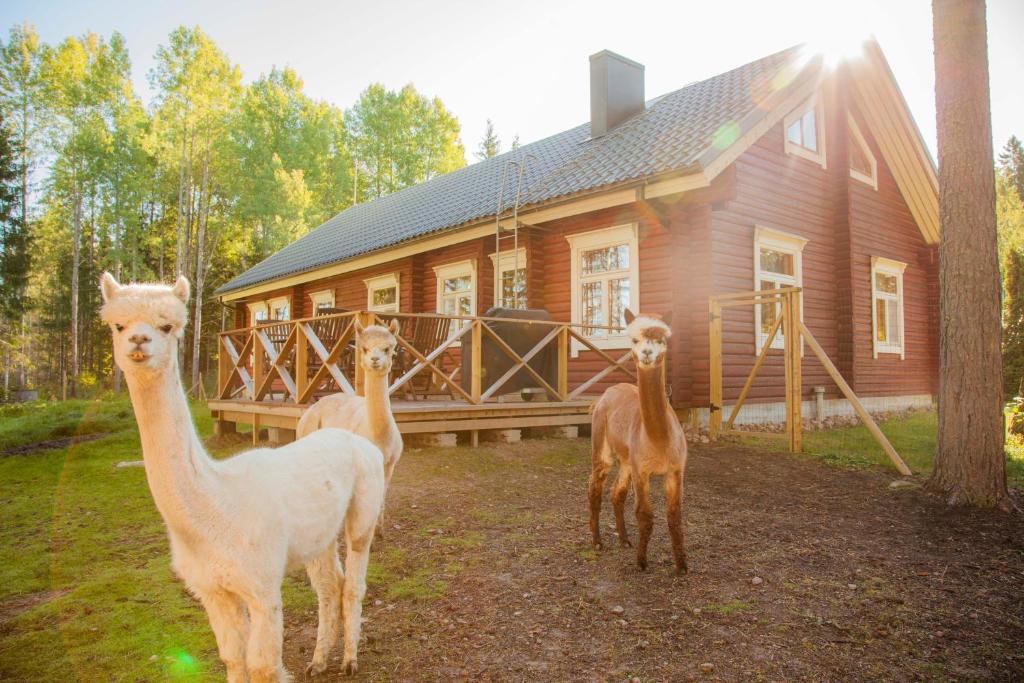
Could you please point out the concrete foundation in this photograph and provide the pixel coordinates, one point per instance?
(280, 435)
(438, 440)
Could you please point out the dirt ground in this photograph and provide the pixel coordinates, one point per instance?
(798, 572)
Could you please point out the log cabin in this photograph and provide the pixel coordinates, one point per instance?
(784, 172)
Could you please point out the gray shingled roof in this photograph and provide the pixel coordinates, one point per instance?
(671, 134)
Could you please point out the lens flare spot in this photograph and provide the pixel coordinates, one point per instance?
(181, 663)
(726, 134)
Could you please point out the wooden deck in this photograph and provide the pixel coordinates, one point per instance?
(423, 417)
(452, 373)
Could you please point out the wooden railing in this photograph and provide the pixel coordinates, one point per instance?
(296, 361)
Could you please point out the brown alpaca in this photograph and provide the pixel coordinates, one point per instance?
(636, 424)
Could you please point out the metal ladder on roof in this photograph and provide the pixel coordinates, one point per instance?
(503, 235)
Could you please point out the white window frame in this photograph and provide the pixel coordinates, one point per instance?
(452, 270)
(324, 296)
(793, 148)
(857, 138)
(276, 301)
(887, 266)
(383, 282)
(601, 239)
(505, 263)
(258, 307)
(788, 243)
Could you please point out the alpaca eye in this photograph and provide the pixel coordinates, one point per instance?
(636, 341)
(166, 329)
(119, 328)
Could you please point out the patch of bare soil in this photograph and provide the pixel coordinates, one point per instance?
(52, 444)
(12, 607)
(798, 572)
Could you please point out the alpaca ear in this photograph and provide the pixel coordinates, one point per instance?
(667, 318)
(108, 287)
(628, 315)
(359, 326)
(394, 326)
(181, 289)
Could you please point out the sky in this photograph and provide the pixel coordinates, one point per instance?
(524, 64)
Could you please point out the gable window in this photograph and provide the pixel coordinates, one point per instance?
(777, 264)
(863, 166)
(510, 272)
(456, 291)
(605, 282)
(323, 301)
(887, 306)
(382, 293)
(805, 134)
(280, 308)
(258, 312)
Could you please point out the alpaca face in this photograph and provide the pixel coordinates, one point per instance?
(145, 321)
(376, 346)
(648, 338)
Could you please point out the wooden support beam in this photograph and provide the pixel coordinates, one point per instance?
(715, 358)
(858, 407)
(792, 348)
(476, 361)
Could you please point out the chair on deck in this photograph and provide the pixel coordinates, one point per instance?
(328, 330)
(424, 335)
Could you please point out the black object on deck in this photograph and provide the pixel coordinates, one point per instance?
(521, 337)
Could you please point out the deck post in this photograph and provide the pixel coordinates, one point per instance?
(793, 346)
(224, 366)
(476, 361)
(563, 363)
(301, 362)
(257, 362)
(715, 358)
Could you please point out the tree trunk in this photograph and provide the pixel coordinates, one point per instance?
(970, 464)
(197, 324)
(178, 256)
(76, 262)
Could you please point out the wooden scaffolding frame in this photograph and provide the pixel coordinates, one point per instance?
(794, 334)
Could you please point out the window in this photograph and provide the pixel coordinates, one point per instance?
(257, 312)
(280, 308)
(382, 293)
(805, 134)
(322, 301)
(605, 281)
(887, 306)
(456, 290)
(863, 166)
(510, 285)
(777, 263)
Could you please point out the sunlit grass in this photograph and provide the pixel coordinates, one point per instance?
(912, 435)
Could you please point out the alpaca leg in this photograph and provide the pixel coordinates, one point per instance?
(230, 626)
(644, 517)
(389, 469)
(620, 490)
(674, 512)
(359, 527)
(327, 577)
(595, 489)
(601, 463)
(266, 631)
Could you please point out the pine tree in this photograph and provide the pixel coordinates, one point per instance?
(1011, 160)
(490, 146)
(15, 257)
(1013, 324)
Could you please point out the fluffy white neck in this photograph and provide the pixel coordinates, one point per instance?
(181, 476)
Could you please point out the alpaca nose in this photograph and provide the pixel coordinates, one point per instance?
(138, 339)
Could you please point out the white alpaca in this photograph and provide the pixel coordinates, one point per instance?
(236, 526)
(368, 416)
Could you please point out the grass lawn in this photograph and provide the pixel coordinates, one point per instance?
(913, 437)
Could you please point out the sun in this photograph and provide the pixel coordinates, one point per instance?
(840, 38)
